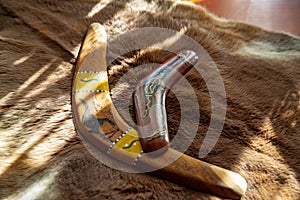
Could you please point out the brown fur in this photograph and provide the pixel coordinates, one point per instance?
(42, 156)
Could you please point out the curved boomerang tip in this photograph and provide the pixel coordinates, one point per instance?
(149, 100)
(98, 122)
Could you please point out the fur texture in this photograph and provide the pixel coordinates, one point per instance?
(43, 158)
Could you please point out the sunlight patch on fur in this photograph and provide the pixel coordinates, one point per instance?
(52, 78)
(96, 9)
(36, 143)
(170, 41)
(267, 127)
(53, 144)
(28, 82)
(262, 143)
(262, 49)
(141, 6)
(76, 50)
(293, 124)
(24, 58)
(8, 161)
(38, 188)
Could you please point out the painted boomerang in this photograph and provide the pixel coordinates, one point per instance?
(97, 120)
(149, 101)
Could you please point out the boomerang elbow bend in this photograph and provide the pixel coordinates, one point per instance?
(149, 101)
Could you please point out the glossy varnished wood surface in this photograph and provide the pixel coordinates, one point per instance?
(276, 15)
(149, 100)
(98, 122)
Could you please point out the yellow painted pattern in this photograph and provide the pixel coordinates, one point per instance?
(130, 142)
(91, 81)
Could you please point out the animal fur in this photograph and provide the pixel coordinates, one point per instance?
(42, 157)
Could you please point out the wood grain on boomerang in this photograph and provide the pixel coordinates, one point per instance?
(185, 170)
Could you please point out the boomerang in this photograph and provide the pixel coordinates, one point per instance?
(97, 121)
(149, 101)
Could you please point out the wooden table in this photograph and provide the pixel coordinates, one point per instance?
(277, 15)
